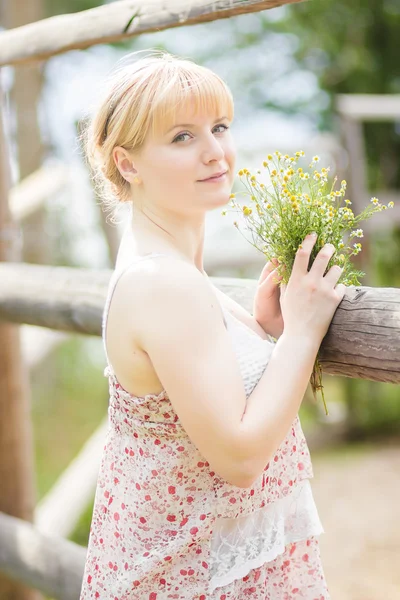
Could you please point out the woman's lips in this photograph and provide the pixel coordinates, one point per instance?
(214, 179)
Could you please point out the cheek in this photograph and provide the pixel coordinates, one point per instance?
(230, 156)
(230, 151)
(172, 165)
(162, 170)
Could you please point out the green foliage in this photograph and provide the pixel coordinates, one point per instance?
(352, 47)
(385, 257)
(63, 7)
(80, 535)
(373, 408)
(69, 400)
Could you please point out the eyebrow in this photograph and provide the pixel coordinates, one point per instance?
(193, 124)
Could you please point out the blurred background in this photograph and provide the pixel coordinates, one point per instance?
(296, 73)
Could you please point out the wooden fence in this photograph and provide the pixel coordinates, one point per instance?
(363, 340)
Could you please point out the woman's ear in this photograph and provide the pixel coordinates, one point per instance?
(124, 164)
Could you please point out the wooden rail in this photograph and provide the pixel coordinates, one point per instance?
(369, 107)
(114, 22)
(49, 564)
(363, 340)
(30, 194)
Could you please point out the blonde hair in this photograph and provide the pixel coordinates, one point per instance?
(141, 97)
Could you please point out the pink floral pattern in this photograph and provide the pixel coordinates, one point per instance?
(157, 501)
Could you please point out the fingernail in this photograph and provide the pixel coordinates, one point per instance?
(313, 234)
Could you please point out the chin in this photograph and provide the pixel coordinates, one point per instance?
(223, 199)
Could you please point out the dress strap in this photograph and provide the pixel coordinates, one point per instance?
(117, 273)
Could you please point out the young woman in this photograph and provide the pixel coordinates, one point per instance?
(203, 491)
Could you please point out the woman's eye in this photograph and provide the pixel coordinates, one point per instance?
(181, 135)
(178, 137)
(222, 125)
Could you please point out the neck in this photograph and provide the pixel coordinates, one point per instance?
(172, 235)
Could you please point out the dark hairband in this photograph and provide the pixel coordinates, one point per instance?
(110, 114)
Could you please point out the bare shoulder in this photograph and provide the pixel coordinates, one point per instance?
(166, 286)
(164, 274)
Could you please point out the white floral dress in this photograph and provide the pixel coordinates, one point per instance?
(166, 526)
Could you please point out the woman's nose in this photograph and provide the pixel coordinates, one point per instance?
(212, 149)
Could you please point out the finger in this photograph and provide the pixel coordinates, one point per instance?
(302, 258)
(276, 278)
(321, 261)
(341, 290)
(267, 269)
(333, 275)
(272, 278)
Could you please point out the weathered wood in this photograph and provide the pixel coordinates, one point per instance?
(363, 340)
(369, 107)
(73, 300)
(114, 22)
(353, 110)
(50, 564)
(17, 494)
(25, 95)
(352, 133)
(30, 194)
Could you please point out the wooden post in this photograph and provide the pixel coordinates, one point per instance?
(25, 95)
(16, 452)
(353, 111)
(352, 133)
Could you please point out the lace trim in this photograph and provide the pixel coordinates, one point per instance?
(239, 545)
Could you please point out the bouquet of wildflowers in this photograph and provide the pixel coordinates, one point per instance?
(294, 203)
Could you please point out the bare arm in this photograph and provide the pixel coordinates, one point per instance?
(178, 322)
(308, 303)
(275, 401)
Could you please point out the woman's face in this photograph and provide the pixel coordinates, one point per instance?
(174, 163)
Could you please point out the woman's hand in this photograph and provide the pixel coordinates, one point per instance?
(266, 305)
